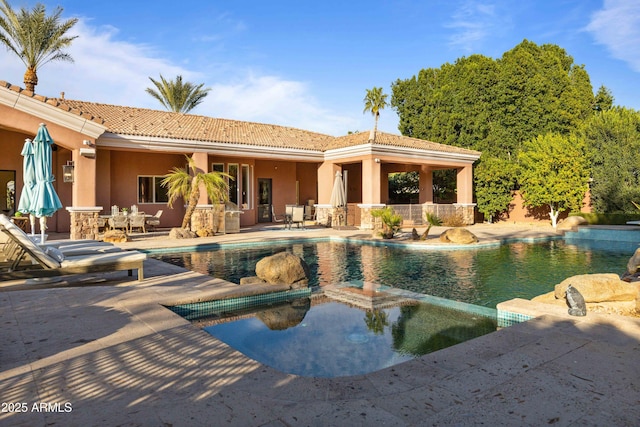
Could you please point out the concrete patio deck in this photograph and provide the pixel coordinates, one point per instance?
(102, 351)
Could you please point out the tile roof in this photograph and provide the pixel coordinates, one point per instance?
(389, 139)
(144, 122)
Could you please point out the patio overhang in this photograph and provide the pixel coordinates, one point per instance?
(403, 154)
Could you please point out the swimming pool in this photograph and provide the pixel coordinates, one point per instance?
(483, 276)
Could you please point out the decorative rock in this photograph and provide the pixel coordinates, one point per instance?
(634, 262)
(115, 236)
(284, 267)
(577, 306)
(415, 235)
(252, 280)
(572, 222)
(599, 288)
(181, 233)
(458, 235)
(205, 232)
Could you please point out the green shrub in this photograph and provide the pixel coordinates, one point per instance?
(391, 222)
(608, 219)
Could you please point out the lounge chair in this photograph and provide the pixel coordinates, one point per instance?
(47, 263)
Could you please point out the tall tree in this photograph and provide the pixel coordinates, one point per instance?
(375, 101)
(603, 100)
(495, 179)
(185, 183)
(554, 172)
(176, 95)
(35, 37)
(613, 138)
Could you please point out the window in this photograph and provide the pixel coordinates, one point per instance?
(240, 189)
(150, 190)
(233, 183)
(245, 196)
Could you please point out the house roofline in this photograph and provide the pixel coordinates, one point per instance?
(111, 140)
(38, 106)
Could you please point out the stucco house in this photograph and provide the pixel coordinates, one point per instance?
(119, 154)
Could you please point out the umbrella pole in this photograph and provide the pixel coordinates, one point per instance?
(32, 220)
(43, 227)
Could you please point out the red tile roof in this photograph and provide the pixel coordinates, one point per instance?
(169, 125)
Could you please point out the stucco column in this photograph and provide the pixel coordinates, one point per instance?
(465, 185)
(201, 161)
(83, 192)
(426, 185)
(371, 182)
(326, 176)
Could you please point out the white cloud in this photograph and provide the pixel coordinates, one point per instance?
(617, 26)
(111, 71)
(473, 22)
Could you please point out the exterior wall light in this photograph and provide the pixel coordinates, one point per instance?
(67, 171)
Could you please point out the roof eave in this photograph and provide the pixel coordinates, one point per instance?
(50, 113)
(395, 151)
(111, 140)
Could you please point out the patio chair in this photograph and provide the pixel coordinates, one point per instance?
(154, 221)
(276, 218)
(119, 221)
(308, 213)
(297, 216)
(137, 221)
(35, 261)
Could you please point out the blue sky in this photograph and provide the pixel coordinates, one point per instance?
(308, 64)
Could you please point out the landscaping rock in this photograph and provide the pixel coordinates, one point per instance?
(571, 223)
(458, 235)
(181, 233)
(252, 280)
(634, 262)
(205, 232)
(115, 236)
(599, 288)
(284, 267)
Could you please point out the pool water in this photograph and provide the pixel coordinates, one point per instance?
(482, 276)
(328, 338)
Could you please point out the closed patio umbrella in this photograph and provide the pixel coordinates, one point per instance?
(338, 197)
(45, 200)
(29, 179)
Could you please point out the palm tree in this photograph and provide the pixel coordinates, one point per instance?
(374, 102)
(185, 183)
(177, 96)
(35, 37)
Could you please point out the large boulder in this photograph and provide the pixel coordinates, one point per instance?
(115, 236)
(205, 232)
(598, 288)
(284, 267)
(458, 235)
(181, 233)
(572, 222)
(634, 262)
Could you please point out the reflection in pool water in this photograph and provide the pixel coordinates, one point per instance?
(332, 339)
(481, 276)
